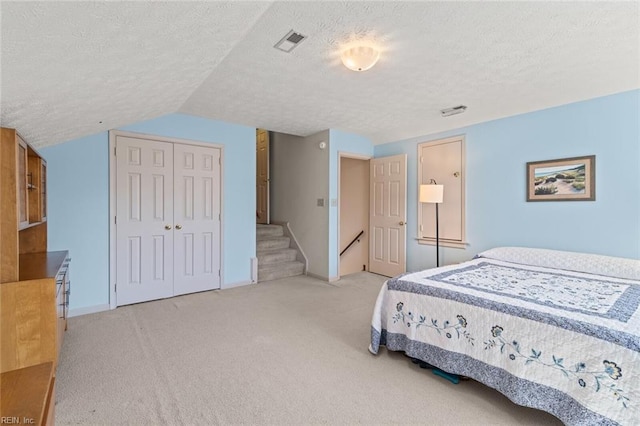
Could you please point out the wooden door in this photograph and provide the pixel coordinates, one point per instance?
(262, 176)
(387, 221)
(197, 218)
(144, 220)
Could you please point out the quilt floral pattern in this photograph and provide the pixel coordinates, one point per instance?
(604, 378)
(447, 327)
(591, 295)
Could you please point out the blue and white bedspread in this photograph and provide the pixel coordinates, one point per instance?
(566, 341)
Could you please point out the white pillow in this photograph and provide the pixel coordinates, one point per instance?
(617, 267)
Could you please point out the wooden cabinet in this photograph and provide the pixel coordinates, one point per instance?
(28, 394)
(34, 310)
(34, 283)
(23, 203)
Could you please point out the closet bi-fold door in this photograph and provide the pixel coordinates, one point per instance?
(144, 220)
(197, 218)
(168, 200)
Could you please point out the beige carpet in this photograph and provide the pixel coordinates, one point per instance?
(292, 351)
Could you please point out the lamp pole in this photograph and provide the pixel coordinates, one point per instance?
(437, 238)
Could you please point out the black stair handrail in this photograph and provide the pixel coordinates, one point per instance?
(357, 238)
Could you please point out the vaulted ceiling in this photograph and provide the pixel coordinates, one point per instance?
(70, 69)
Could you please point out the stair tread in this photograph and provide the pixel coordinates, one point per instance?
(274, 250)
(280, 265)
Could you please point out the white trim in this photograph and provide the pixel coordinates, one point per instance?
(236, 284)
(88, 310)
(113, 134)
(318, 277)
(444, 242)
(163, 138)
(112, 214)
(341, 155)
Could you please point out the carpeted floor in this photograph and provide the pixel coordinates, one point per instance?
(292, 351)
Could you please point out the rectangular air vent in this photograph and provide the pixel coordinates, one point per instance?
(290, 41)
(453, 111)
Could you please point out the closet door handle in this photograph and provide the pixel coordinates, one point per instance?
(178, 226)
(167, 227)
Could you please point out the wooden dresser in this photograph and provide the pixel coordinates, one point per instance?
(34, 310)
(28, 395)
(34, 285)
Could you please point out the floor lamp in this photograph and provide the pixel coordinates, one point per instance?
(433, 193)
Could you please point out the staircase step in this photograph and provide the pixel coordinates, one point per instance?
(269, 231)
(271, 243)
(274, 256)
(279, 270)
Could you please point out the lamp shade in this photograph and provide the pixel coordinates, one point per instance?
(360, 58)
(431, 193)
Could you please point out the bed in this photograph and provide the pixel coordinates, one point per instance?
(551, 330)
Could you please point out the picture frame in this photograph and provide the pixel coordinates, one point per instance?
(564, 179)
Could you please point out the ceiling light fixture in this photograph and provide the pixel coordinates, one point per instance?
(360, 58)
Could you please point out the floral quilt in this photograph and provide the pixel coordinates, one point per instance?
(563, 341)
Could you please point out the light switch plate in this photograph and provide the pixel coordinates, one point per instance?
(334, 202)
(320, 202)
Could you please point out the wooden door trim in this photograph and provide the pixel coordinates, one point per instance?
(113, 134)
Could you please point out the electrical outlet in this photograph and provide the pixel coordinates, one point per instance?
(334, 202)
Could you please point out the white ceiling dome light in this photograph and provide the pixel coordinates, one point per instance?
(360, 58)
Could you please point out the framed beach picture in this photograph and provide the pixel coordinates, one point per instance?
(565, 179)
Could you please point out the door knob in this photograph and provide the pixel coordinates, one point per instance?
(167, 227)
(178, 226)
(402, 223)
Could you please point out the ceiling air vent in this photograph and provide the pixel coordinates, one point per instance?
(290, 41)
(453, 111)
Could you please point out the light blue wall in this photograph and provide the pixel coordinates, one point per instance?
(346, 143)
(78, 173)
(78, 214)
(496, 156)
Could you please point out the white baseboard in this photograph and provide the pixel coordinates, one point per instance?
(318, 277)
(88, 310)
(238, 284)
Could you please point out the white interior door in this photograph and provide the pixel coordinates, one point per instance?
(197, 219)
(387, 221)
(144, 217)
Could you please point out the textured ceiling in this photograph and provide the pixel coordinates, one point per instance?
(67, 66)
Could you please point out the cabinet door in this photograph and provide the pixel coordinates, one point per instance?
(21, 168)
(33, 188)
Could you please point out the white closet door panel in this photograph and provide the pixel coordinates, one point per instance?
(197, 218)
(144, 207)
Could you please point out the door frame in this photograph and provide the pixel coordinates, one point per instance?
(354, 156)
(113, 196)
